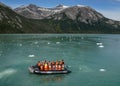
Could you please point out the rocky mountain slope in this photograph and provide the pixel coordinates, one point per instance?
(11, 22)
(35, 12)
(83, 19)
(60, 19)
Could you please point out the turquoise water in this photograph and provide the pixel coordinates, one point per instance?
(93, 59)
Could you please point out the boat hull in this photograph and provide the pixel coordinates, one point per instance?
(35, 70)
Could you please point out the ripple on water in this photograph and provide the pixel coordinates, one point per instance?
(84, 68)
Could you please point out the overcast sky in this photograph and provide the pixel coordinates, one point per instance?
(109, 8)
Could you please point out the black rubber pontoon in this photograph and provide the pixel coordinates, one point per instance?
(35, 70)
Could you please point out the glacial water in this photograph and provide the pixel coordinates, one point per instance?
(93, 59)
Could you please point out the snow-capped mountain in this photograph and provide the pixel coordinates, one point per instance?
(60, 19)
(80, 12)
(35, 12)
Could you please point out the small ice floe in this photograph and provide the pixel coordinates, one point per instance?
(57, 42)
(101, 46)
(48, 43)
(31, 56)
(102, 70)
(35, 42)
(20, 45)
(99, 43)
(7, 72)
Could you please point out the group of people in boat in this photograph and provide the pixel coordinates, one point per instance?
(49, 66)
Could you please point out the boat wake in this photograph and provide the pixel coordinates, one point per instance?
(84, 68)
(7, 72)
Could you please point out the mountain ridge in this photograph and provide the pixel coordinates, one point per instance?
(36, 12)
(75, 19)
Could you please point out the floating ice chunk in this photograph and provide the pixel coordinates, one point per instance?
(20, 44)
(35, 42)
(101, 46)
(57, 42)
(7, 72)
(99, 43)
(102, 70)
(31, 56)
(48, 43)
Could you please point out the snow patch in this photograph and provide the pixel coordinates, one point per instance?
(81, 5)
(64, 6)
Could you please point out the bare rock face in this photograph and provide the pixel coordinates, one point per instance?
(35, 12)
(79, 12)
(10, 18)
